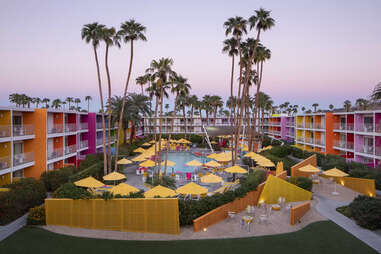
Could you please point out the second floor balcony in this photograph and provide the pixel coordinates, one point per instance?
(365, 149)
(319, 126)
(23, 158)
(56, 128)
(343, 144)
(70, 127)
(70, 149)
(23, 130)
(84, 126)
(364, 127)
(5, 131)
(56, 153)
(5, 162)
(343, 126)
(319, 142)
(83, 144)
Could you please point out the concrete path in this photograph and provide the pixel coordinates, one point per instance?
(327, 208)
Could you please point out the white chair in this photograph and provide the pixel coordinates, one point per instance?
(137, 172)
(177, 178)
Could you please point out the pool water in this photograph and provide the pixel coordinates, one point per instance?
(180, 158)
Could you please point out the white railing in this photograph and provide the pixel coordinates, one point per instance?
(308, 140)
(56, 128)
(339, 143)
(5, 162)
(319, 126)
(300, 125)
(23, 130)
(319, 142)
(83, 144)
(366, 150)
(365, 128)
(84, 126)
(70, 149)
(378, 151)
(99, 125)
(23, 158)
(56, 153)
(5, 131)
(70, 127)
(99, 141)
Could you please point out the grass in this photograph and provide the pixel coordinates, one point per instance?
(320, 237)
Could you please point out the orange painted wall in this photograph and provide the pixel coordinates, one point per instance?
(310, 160)
(5, 179)
(329, 137)
(58, 142)
(27, 117)
(38, 144)
(29, 146)
(297, 212)
(58, 118)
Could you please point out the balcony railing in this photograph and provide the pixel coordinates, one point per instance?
(70, 149)
(307, 125)
(23, 130)
(5, 131)
(99, 141)
(365, 128)
(343, 126)
(83, 144)
(23, 158)
(308, 140)
(291, 134)
(84, 126)
(99, 125)
(300, 125)
(366, 150)
(319, 126)
(339, 143)
(56, 128)
(378, 127)
(56, 153)
(5, 162)
(378, 151)
(300, 139)
(290, 124)
(70, 127)
(319, 142)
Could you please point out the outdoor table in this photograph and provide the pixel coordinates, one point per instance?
(247, 220)
(276, 207)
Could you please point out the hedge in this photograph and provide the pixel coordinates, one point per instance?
(36, 216)
(301, 181)
(69, 190)
(55, 178)
(23, 195)
(366, 211)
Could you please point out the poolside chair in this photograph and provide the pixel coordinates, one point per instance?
(264, 218)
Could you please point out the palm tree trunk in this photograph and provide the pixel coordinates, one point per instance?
(125, 135)
(142, 89)
(108, 110)
(123, 104)
(154, 125)
(185, 122)
(258, 89)
(169, 136)
(102, 112)
(161, 124)
(132, 132)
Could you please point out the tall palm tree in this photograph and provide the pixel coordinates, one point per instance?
(230, 47)
(362, 103)
(69, 100)
(56, 103)
(216, 103)
(77, 101)
(110, 38)
(88, 99)
(315, 105)
(347, 105)
(376, 94)
(37, 101)
(130, 31)
(207, 107)
(142, 81)
(46, 101)
(92, 33)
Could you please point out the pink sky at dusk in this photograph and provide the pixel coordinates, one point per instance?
(322, 51)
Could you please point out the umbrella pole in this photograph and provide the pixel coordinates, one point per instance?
(335, 192)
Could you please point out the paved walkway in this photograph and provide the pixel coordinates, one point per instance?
(327, 208)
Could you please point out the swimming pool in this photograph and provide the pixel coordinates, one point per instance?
(180, 158)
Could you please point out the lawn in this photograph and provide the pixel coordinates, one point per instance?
(320, 237)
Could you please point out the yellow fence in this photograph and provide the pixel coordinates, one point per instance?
(159, 215)
(361, 185)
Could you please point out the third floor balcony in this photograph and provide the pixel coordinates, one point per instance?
(23, 130)
(70, 149)
(70, 127)
(55, 128)
(366, 127)
(23, 158)
(343, 126)
(55, 153)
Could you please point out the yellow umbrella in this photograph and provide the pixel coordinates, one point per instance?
(250, 154)
(236, 169)
(152, 141)
(334, 172)
(169, 163)
(139, 150)
(114, 176)
(279, 168)
(192, 188)
(89, 182)
(159, 191)
(211, 179)
(123, 189)
(146, 144)
(212, 155)
(309, 169)
(184, 141)
(213, 164)
(265, 163)
(147, 164)
(193, 163)
(139, 158)
(124, 161)
(223, 158)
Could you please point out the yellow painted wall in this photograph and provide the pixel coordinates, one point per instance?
(5, 179)
(5, 149)
(5, 117)
(299, 120)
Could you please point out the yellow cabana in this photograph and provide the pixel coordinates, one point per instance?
(147, 164)
(192, 188)
(89, 182)
(139, 150)
(213, 164)
(309, 169)
(169, 163)
(279, 168)
(212, 155)
(123, 189)
(193, 163)
(146, 144)
(139, 158)
(211, 179)
(236, 169)
(224, 157)
(114, 176)
(160, 191)
(124, 161)
(334, 172)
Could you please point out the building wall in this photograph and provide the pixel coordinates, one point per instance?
(329, 137)
(5, 117)
(92, 120)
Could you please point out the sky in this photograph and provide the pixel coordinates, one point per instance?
(323, 51)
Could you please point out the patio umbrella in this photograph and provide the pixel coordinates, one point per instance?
(236, 170)
(265, 163)
(211, 156)
(250, 154)
(152, 141)
(169, 163)
(193, 163)
(211, 179)
(139, 150)
(334, 172)
(214, 142)
(184, 141)
(223, 158)
(89, 182)
(147, 164)
(160, 191)
(124, 161)
(146, 144)
(192, 188)
(213, 164)
(123, 189)
(114, 176)
(139, 158)
(309, 169)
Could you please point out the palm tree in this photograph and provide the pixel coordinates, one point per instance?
(303, 109)
(315, 105)
(216, 102)
(64, 104)
(230, 47)
(46, 101)
(376, 94)
(69, 100)
(347, 105)
(77, 101)
(56, 103)
(331, 107)
(207, 107)
(130, 31)
(92, 33)
(88, 99)
(142, 81)
(362, 103)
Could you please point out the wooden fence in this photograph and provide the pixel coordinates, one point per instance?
(298, 212)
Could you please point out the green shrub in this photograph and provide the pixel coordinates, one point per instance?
(55, 178)
(366, 211)
(23, 195)
(165, 181)
(345, 210)
(36, 216)
(301, 181)
(69, 190)
(96, 171)
(280, 151)
(90, 160)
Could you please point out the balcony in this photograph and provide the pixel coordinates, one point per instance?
(70, 127)
(5, 162)
(99, 125)
(365, 150)
(308, 140)
(300, 125)
(378, 127)
(291, 134)
(83, 144)
(319, 142)
(56, 153)
(70, 149)
(84, 126)
(99, 141)
(339, 143)
(23, 158)
(56, 128)
(365, 128)
(378, 151)
(319, 126)
(5, 131)
(23, 130)
(290, 124)
(299, 139)
(308, 125)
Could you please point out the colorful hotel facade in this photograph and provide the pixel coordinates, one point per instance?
(33, 141)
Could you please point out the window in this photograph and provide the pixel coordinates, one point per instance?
(18, 148)
(18, 173)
